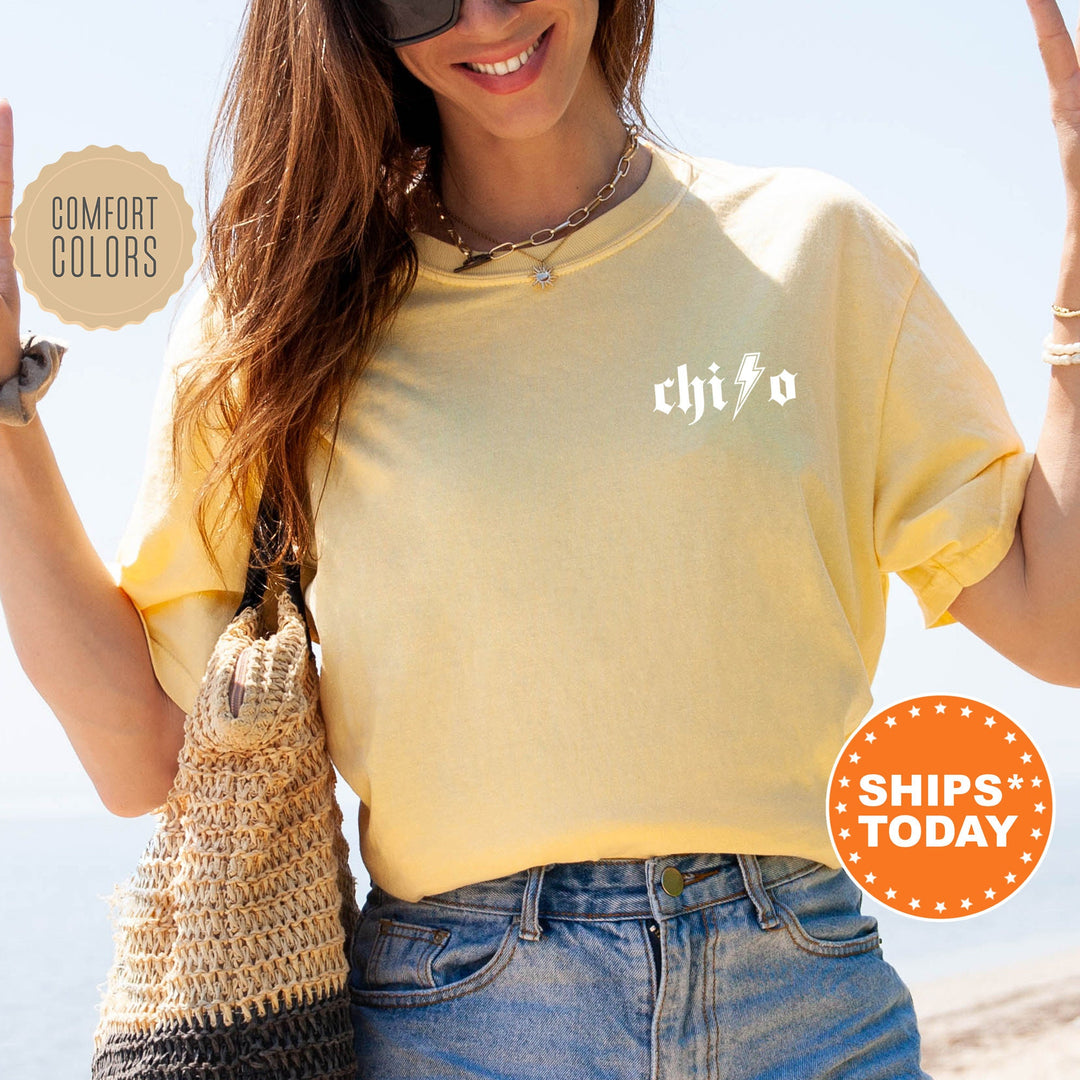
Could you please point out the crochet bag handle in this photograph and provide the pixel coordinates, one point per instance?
(265, 531)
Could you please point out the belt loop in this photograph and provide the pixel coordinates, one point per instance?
(751, 872)
(530, 906)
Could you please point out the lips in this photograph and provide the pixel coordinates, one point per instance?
(502, 77)
(508, 65)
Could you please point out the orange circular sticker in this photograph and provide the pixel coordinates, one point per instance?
(940, 807)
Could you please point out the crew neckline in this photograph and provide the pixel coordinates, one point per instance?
(667, 181)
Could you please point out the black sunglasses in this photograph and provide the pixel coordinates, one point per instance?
(405, 22)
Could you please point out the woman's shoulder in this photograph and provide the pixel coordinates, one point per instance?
(773, 199)
(195, 322)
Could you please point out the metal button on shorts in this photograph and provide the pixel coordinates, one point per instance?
(671, 881)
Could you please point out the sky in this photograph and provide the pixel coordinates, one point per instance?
(936, 112)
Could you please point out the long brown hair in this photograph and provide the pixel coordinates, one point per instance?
(322, 132)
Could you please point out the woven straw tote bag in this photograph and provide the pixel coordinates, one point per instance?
(232, 933)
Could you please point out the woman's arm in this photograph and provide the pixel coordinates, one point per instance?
(1028, 607)
(77, 636)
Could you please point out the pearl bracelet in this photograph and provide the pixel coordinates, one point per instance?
(39, 362)
(1061, 354)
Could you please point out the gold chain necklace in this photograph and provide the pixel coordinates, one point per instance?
(542, 276)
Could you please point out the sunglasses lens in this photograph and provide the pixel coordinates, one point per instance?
(405, 22)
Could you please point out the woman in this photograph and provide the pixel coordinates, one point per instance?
(595, 548)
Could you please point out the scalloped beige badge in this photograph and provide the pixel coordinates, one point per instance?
(103, 237)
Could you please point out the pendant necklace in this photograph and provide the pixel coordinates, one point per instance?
(542, 276)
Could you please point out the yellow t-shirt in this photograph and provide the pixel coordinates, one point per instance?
(603, 567)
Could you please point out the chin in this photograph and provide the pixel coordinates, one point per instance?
(516, 117)
(526, 124)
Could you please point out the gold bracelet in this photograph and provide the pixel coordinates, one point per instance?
(1064, 312)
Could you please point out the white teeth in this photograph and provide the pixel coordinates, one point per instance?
(505, 67)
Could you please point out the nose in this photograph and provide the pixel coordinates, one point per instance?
(488, 20)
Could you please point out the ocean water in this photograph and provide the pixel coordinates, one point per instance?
(57, 942)
(55, 876)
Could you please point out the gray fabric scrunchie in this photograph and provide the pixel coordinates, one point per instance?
(38, 365)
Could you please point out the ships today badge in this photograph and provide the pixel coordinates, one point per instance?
(940, 807)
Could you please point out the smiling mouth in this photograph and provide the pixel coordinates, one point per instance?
(508, 67)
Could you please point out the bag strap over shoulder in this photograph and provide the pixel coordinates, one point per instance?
(255, 586)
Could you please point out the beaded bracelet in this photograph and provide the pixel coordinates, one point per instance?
(1061, 354)
(39, 362)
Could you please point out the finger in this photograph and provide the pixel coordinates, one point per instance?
(7, 175)
(9, 291)
(1055, 42)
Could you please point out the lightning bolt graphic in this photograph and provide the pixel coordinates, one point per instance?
(749, 373)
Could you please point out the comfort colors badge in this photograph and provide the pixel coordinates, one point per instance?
(103, 237)
(940, 807)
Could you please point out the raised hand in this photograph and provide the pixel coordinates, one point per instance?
(1059, 54)
(9, 285)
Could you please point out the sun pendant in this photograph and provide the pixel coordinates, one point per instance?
(543, 276)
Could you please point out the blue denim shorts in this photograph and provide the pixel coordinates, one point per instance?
(723, 967)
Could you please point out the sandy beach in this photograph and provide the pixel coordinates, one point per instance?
(1017, 1022)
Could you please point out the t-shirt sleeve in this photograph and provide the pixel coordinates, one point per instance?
(161, 564)
(951, 466)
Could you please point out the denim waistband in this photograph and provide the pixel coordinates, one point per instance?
(627, 888)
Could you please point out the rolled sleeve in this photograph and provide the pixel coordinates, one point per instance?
(951, 467)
